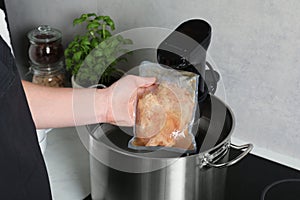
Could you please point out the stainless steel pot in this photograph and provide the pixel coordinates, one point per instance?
(120, 173)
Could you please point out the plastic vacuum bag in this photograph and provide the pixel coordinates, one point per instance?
(165, 112)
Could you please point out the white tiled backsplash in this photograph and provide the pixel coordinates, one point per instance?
(255, 44)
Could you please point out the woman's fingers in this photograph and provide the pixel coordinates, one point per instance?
(124, 97)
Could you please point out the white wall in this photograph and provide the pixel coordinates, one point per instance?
(256, 45)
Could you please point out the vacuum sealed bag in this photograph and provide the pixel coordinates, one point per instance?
(165, 112)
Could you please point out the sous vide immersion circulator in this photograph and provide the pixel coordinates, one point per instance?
(185, 49)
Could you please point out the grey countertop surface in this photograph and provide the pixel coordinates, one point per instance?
(67, 163)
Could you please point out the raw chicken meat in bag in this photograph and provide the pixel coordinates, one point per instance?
(165, 112)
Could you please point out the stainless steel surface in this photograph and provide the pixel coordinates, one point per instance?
(118, 172)
(209, 160)
(179, 181)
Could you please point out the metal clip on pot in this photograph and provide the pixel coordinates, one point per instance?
(210, 159)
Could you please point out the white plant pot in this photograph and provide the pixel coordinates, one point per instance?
(74, 84)
(119, 73)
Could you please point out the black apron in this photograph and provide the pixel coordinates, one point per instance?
(23, 174)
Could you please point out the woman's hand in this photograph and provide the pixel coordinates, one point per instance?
(122, 98)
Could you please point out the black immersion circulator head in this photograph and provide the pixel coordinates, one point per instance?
(185, 49)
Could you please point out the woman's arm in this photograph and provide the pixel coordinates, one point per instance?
(53, 107)
(61, 107)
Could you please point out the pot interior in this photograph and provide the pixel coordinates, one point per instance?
(213, 127)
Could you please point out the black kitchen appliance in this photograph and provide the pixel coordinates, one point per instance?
(185, 49)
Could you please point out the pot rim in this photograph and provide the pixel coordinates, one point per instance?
(118, 150)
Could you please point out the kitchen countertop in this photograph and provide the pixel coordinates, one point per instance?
(67, 162)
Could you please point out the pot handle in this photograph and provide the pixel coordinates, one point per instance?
(246, 147)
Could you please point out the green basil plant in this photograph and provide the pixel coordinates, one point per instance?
(96, 51)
